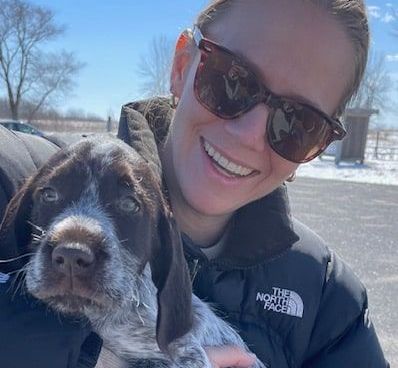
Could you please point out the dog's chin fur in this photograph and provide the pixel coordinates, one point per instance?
(79, 300)
(77, 305)
(62, 297)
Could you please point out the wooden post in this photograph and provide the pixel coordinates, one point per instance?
(377, 143)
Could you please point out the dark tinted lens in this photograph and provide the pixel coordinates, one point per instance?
(224, 85)
(298, 134)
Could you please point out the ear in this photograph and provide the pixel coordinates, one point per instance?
(15, 231)
(171, 277)
(181, 62)
(140, 137)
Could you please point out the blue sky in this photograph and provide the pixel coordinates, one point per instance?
(110, 36)
(383, 22)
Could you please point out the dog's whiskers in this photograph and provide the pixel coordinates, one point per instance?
(140, 318)
(135, 296)
(16, 271)
(37, 238)
(20, 279)
(16, 258)
(36, 227)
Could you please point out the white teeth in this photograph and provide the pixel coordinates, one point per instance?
(227, 165)
(223, 162)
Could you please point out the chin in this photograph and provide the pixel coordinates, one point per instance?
(210, 205)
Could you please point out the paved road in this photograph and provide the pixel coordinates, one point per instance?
(360, 222)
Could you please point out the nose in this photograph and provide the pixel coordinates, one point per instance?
(250, 128)
(73, 259)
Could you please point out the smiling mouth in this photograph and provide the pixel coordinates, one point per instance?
(224, 165)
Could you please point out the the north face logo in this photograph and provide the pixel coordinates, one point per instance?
(282, 301)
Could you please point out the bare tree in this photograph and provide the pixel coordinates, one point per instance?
(376, 85)
(27, 73)
(154, 68)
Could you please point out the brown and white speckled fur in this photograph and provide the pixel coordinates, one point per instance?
(132, 249)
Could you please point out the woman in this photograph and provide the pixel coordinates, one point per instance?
(232, 142)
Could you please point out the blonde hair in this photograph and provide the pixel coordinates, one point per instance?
(351, 14)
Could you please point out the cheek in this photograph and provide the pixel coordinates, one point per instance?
(43, 215)
(191, 121)
(134, 232)
(282, 168)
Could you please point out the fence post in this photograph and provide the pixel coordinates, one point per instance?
(377, 143)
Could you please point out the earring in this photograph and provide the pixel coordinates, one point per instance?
(173, 101)
(291, 177)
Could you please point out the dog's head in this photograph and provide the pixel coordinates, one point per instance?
(94, 216)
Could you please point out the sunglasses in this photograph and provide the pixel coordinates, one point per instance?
(228, 87)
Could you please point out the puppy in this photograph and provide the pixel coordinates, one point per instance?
(105, 247)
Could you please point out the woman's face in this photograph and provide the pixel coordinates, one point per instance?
(300, 52)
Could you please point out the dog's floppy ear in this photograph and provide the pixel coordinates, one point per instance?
(15, 230)
(171, 277)
(137, 133)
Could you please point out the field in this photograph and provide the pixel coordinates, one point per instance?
(73, 126)
(382, 145)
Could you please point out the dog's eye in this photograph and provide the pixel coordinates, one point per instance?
(49, 195)
(129, 204)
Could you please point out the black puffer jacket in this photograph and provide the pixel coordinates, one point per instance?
(294, 302)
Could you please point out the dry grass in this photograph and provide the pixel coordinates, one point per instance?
(73, 126)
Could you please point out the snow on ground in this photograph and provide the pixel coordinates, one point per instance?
(372, 171)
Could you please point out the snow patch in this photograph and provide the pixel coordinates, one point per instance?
(372, 171)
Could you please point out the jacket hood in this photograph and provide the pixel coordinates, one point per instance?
(259, 231)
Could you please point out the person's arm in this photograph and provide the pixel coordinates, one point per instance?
(31, 335)
(344, 336)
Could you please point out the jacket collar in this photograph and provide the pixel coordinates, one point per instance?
(259, 231)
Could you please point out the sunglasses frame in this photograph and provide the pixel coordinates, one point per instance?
(270, 99)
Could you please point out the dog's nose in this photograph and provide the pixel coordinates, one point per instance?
(72, 260)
